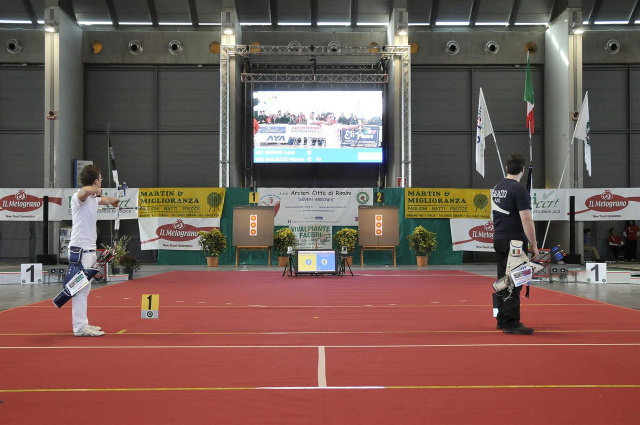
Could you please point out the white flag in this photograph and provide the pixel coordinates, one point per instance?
(583, 131)
(483, 130)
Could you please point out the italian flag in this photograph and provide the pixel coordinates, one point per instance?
(528, 96)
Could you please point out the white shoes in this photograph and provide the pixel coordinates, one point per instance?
(90, 331)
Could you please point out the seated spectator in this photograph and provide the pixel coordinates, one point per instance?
(589, 247)
(615, 243)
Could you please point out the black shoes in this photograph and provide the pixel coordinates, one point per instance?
(499, 326)
(519, 330)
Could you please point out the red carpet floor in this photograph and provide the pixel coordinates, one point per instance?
(386, 347)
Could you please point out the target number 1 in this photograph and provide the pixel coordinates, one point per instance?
(150, 306)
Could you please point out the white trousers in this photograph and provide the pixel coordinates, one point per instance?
(79, 301)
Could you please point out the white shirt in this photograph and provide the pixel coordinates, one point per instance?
(85, 215)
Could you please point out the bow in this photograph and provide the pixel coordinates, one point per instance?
(116, 180)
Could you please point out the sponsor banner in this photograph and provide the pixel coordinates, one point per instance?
(549, 204)
(472, 235)
(315, 205)
(187, 202)
(128, 205)
(368, 136)
(282, 133)
(179, 234)
(605, 204)
(27, 204)
(447, 203)
(312, 236)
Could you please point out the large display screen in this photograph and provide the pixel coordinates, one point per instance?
(317, 126)
(316, 261)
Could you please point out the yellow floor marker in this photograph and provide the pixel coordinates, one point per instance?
(150, 306)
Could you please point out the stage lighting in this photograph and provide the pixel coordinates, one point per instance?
(612, 47)
(214, 48)
(13, 46)
(491, 47)
(452, 48)
(96, 47)
(175, 47)
(135, 47)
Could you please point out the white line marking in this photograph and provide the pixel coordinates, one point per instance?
(154, 347)
(322, 375)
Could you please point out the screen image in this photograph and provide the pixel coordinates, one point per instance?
(317, 126)
(316, 261)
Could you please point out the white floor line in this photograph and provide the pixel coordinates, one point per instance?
(155, 347)
(322, 374)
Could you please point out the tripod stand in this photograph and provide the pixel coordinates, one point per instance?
(288, 266)
(344, 264)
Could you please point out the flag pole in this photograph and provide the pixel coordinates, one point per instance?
(573, 137)
(499, 157)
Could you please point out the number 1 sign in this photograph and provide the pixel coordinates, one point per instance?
(597, 272)
(31, 273)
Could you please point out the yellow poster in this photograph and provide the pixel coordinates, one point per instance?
(183, 202)
(447, 203)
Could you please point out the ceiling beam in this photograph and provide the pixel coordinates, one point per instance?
(153, 12)
(193, 10)
(32, 14)
(435, 5)
(314, 13)
(513, 16)
(112, 13)
(473, 16)
(273, 10)
(354, 13)
(595, 11)
(634, 13)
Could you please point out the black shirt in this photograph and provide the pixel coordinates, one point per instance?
(509, 198)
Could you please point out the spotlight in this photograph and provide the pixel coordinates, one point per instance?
(214, 48)
(135, 47)
(96, 47)
(334, 47)
(612, 47)
(175, 47)
(294, 46)
(491, 47)
(13, 46)
(452, 48)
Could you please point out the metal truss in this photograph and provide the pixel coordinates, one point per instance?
(283, 67)
(224, 119)
(228, 52)
(317, 50)
(315, 78)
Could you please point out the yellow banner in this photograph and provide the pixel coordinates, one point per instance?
(184, 202)
(447, 203)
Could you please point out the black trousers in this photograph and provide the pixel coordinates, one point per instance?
(508, 304)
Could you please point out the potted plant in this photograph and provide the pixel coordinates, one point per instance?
(212, 243)
(347, 237)
(423, 242)
(119, 252)
(130, 264)
(282, 240)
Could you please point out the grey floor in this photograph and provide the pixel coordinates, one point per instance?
(624, 295)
